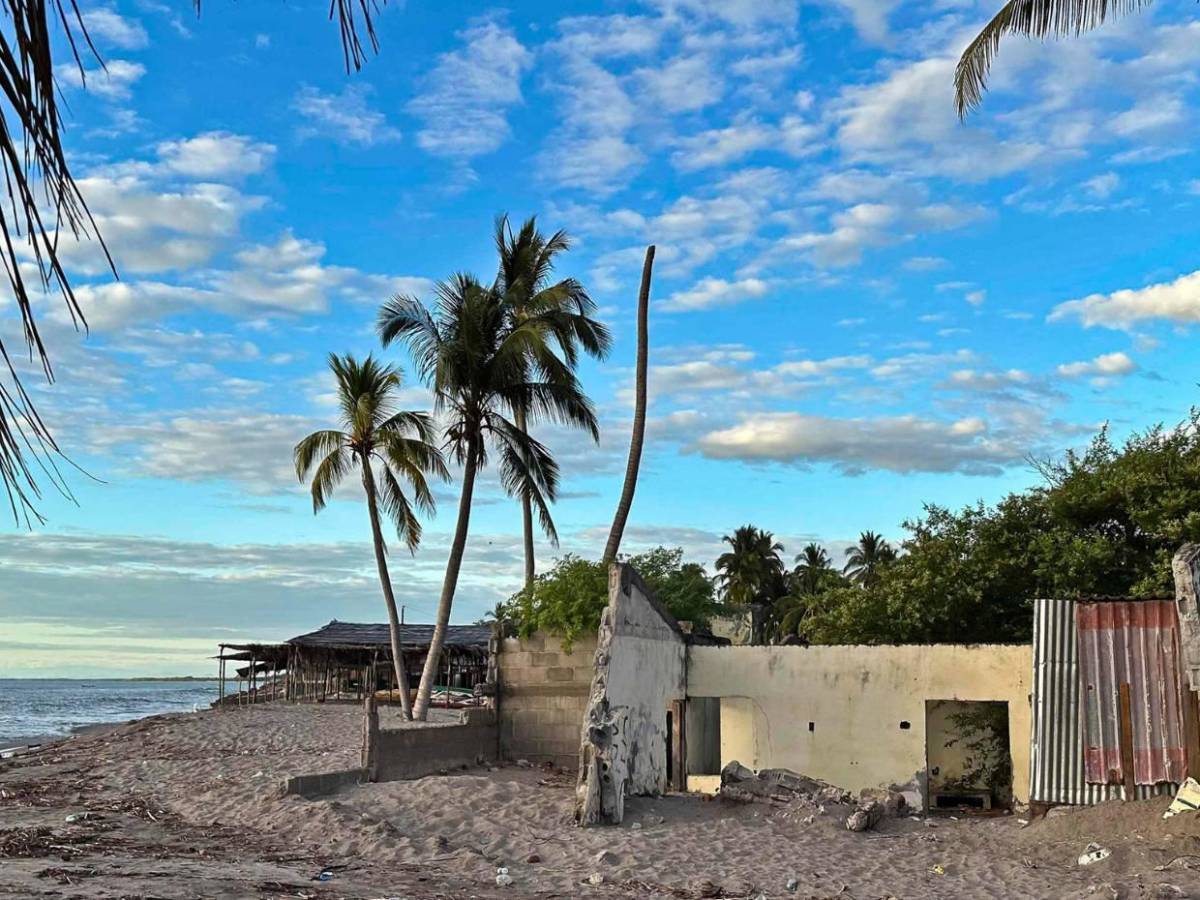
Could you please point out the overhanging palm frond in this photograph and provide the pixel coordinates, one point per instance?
(318, 444)
(395, 504)
(329, 474)
(1032, 18)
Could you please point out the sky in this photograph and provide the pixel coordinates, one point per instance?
(860, 303)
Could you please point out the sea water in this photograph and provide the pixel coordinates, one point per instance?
(44, 707)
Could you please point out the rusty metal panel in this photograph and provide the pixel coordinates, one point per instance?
(1056, 755)
(1134, 642)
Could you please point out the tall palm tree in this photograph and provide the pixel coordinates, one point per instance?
(751, 574)
(45, 205)
(866, 558)
(1032, 18)
(477, 358)
(388, 446)
(525, 279)
(638, 437)
(813, 565)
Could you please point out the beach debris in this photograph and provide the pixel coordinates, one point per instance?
(323, 875)
(1093, 853)
(1187, 799)
(781, 786)
(606, 858)
(793, 885)
(503, 879)
(871, 811)
(533, 858)
(524, 764)
(78, 817)
(595, 879)
(939, 869)
(1168, 892)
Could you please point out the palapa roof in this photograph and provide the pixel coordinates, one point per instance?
(371, 636)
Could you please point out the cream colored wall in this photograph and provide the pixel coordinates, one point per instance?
(856, 698)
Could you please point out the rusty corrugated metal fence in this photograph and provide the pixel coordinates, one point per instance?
(1057, 754)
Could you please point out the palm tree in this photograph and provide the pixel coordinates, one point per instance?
(388, 446)
(564, 307)
(751, 574)
(1032, 18)
(813, 565)
(638, 436)
(483, 365)
(866, 558)
(45, 205)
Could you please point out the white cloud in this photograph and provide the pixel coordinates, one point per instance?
(1101, 187)
(720, 146)
(1174, 301)
(215, 154)
(896, 443)
(1107, 365)
(113, 82)
(469, 91)
(346, 118)
(106, 26)
(683, 84)
(711, 292)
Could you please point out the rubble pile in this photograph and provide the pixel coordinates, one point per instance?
(778, 786)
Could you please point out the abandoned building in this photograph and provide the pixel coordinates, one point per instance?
(1100, 705)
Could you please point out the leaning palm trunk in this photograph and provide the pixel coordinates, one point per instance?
(388, 597)
(639, 415)
(526, 515)
(453, 566)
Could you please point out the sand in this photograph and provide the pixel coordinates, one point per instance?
(190, 806)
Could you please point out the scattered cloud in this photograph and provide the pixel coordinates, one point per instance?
(345, 118)
(1175, 301)
(1106, 365)
(106, 26)
(216, 155)
(712, 292)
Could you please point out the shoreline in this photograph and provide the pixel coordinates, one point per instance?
(20, 746)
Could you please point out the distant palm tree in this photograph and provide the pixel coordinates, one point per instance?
(563, 307)
(388, 446)
(476, 357)
(751, 574)
(1032, 18)
(638, 437)
(814, 564)
(865, 560)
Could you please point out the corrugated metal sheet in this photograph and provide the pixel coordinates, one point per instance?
(1056, 756)
(1135, 643)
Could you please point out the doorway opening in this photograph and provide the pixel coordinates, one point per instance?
(967, 755)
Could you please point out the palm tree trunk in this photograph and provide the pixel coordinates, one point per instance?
(526, 515)
(453, 565)
(388, 597)
(639, 415)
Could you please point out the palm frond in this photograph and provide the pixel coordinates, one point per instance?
(328, 476)
(1032, 18)
(317, 444)
(397, 508)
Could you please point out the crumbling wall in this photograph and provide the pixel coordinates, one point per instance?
(639, 670)
(1186, 568)
(855, 716)
(543, 693)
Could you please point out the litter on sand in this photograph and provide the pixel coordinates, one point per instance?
(1186, 799)
(1093, 853)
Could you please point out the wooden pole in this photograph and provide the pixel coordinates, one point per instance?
(370, 750)
(251, 680)
(221, 678)
(1127, 741)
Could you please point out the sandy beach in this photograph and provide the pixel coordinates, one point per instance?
(190, 805)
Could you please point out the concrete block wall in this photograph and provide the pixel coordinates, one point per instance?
(543, 695)
(414, 752)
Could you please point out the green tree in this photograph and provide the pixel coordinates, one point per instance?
(567, 600)
(525, 278)
(476, 356)
(752, 576)
(866, 559)
(389, 447)
(812, 570)
(1031, 18)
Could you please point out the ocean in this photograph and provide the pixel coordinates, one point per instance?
(52, 707)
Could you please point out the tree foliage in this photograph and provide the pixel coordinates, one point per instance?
(568, 599)
(1105, 522)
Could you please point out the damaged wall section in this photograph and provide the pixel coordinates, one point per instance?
(854, 716)
(639, 670)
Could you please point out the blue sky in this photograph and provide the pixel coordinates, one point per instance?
(860, 304)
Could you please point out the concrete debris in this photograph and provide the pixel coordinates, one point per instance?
(872, 811)
(777, 786)
(606, 858)
(1187, 799)
(1168, 892)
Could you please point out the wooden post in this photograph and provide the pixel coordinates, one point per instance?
(370, 748)
(251, 681)
(221, 679)
(678, 740)
(1127, 742)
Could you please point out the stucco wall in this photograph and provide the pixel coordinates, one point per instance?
(404, 753)
(543, 694)
(856, 699)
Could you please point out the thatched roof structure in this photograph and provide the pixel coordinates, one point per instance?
(370, 636)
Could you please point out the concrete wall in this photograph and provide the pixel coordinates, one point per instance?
(415, 752)
(543, 695)
(639, 672)
(857, 699)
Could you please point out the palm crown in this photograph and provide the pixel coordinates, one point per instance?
(867, 557)
(397, 445)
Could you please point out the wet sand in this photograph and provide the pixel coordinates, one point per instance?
(190, 805)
